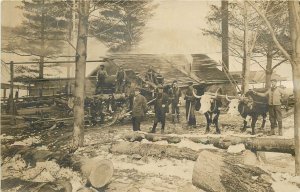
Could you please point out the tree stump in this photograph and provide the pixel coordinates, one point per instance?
(223, 172)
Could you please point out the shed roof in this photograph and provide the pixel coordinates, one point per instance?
(206, 69)
(173, 67)
(140, 63)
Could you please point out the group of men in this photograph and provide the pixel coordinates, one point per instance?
(162, 101)
(102, 79)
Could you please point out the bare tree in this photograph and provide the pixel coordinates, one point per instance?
(243, 34)
(294, 58)
(225, 35)
(81, 55)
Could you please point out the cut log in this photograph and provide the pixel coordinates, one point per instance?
(268, 144)
(173, 140)
(101, 174)
(153, 137)
(154, 150)
(133, 136)
(223, 172)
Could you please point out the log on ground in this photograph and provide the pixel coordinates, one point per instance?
(220, 172)
(267, 144)
(154, 150)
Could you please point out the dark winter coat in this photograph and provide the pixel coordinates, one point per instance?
(175, 94)
(161, 104)
(139, 108)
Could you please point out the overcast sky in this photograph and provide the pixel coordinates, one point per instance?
(174, 28)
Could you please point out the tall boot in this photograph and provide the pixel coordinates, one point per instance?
(280, 128)
(153, 128)
(173, 118)
(178, 118)
(272, 132)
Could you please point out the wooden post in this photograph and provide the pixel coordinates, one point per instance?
(11, 95)
(4, 93)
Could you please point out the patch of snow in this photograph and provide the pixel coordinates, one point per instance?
(236, 148)
(6, 137)
(165, 167)
(284, 186)
(28, 142)
(43, 147)
(192, 145)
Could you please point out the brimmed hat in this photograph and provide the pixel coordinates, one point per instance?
(275, 80)
(190, 83)
(175, 81)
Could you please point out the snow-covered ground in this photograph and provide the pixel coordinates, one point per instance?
(148, 174)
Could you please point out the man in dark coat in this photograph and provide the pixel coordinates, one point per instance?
(190, 105)
(160, 108)
(120, 81)
(130, 93)
(139, 110)
(175, 99)
(101, 77)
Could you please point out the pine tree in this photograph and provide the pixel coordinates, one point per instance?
(120, 25)
(42, 33)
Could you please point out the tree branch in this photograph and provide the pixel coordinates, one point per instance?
(279, 64)
(280, 47)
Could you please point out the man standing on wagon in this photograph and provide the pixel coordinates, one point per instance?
(274, 95)
(120, 81)
(101, 77)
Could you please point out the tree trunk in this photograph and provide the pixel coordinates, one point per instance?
(223, 172)
(246, 59)
(81, 54)
(41, 64)
(225, 49)
(269, 69)
(294, 15)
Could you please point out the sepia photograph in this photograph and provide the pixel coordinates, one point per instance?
(150, 96)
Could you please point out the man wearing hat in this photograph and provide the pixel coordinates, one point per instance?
(160, 108)
(190, 105)
(120, 81)
(139, 109)
(175, 95)
(274, 95)
(101, 77)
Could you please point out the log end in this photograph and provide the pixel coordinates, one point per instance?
(101, 174)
